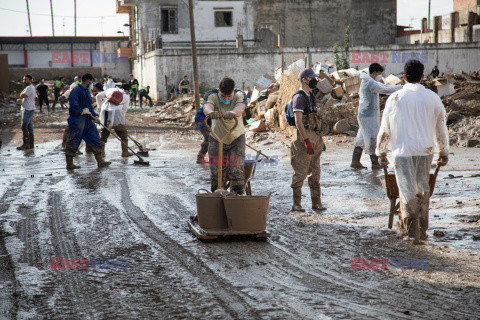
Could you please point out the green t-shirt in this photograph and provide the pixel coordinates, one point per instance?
(222, 126)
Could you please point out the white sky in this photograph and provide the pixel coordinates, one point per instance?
(91, 23)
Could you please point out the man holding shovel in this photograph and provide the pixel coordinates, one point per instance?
(81, 126)
(113, 105)
(414, 124)
(223, 105)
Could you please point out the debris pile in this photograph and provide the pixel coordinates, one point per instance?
(180, 110)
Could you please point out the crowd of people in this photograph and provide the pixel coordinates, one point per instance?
(413, 126)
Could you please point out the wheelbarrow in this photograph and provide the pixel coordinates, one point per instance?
(221, 213)
(389, 182)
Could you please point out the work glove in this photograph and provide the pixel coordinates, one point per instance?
(96, 120)
(442, 159)
(85, 111)
(214, 115)
(309, 146)
(383, 161)
(230, 115)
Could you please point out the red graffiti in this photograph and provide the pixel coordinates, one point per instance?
(66, 57)
(367, 57)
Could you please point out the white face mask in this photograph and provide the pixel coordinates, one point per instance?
(379, 77)
(90, 87)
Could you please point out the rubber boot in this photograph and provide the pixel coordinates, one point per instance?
(375, 163)
(297, 200)
(100, 160)
(125, 152)
(88, 149)
(32, 141)
(316, 199)
(70, 165)
(357, 155)
(25, 145)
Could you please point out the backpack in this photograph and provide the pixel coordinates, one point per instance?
(289, 114)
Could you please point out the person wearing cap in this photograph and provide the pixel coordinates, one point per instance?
(223, 105)
(307, 142)
(114, 103)
(369, 115)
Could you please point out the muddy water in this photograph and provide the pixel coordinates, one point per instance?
(134, 218)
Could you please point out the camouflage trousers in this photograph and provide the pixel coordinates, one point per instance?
(413, 175)
(305, 165)
(233, 158)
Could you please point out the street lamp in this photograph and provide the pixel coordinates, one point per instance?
(123, 33)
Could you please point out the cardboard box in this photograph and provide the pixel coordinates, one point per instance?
(324, 86)
(272, 100)
(258, 126)
(269, 116)
(322, 75)
(393, 80)
(264, 81)
(339, 75)
(338, 92)
(444, 87)
(352, 84)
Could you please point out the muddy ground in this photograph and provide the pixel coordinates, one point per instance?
(137, 217)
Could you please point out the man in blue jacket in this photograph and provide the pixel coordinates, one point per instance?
(81, 125)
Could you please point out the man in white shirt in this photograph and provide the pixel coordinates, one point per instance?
(113, 104)
(27, 100)
(414, 124)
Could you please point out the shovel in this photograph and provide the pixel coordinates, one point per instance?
(220, 151)
(140, 159)
(141, 150)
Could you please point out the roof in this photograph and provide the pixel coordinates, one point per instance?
(22, 40)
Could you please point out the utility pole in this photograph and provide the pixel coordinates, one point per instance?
(51, 10)
(75, 15)
(194, 55)
(429, 8)
(29, 22)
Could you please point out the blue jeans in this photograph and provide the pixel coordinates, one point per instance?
(27, 123)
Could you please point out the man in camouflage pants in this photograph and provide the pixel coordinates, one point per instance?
(223, 105)
(307, 143)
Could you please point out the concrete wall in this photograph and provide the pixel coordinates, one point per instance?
(118, 68)
(248, 66)
(322, 22)
(464, 4)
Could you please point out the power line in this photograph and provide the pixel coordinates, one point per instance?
(59, 16)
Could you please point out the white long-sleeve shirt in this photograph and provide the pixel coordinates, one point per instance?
(116, 113)
(414, 123)
(369, 104)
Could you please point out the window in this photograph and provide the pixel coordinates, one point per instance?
(169, 21)
(223, 19)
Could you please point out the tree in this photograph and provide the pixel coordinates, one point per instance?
(341, 52)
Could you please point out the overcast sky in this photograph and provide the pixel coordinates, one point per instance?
(97, 17)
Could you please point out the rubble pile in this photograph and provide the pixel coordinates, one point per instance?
(180, 110)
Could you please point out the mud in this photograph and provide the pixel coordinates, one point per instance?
(139, 215)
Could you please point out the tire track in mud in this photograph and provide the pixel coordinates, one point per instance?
(422, 303)
(74, 301)
(9, 289)
(234, 304)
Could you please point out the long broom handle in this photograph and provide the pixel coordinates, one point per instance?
(220, 148)
(115, 135)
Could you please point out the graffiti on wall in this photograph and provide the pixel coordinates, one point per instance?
(84, 57)
(388, 57)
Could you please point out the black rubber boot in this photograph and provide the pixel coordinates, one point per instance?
(25, 145)
(32, 141)
(70, 165)
(357, 155)
(375, 163)
(297, 200)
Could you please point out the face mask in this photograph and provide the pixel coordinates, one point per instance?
(379, 77)
(312, 83)
(225, 102)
